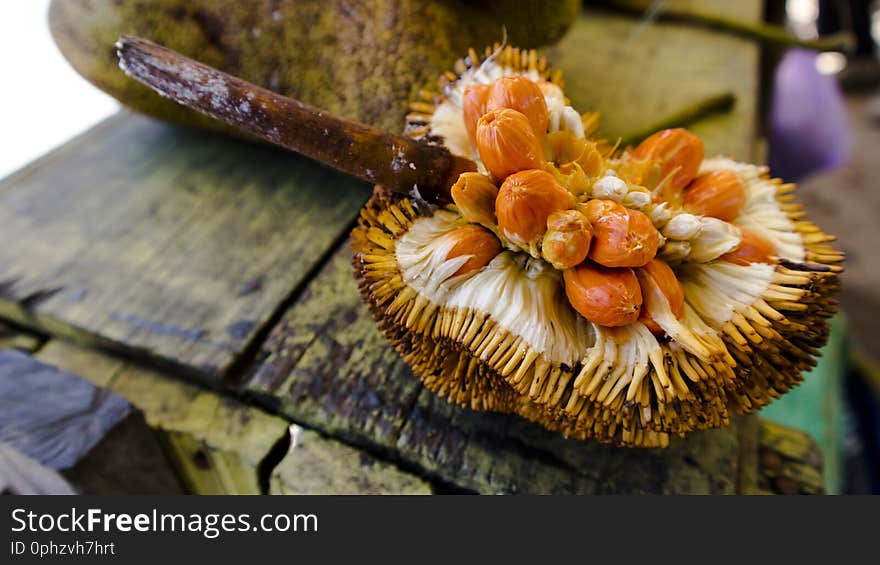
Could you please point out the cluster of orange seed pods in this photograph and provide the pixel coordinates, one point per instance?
(602, 246)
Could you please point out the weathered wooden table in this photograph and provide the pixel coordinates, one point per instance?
(208, 281)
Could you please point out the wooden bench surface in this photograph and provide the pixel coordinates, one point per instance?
(226, 264)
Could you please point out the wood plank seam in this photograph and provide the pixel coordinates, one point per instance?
(243, 363)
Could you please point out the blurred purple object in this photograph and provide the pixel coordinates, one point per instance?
(809, 131)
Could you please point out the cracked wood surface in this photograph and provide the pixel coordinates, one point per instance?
(165, 241)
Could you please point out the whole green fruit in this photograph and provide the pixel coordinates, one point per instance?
(362, 59)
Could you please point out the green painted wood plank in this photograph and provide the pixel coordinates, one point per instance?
(165, 241)
(816, 406)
